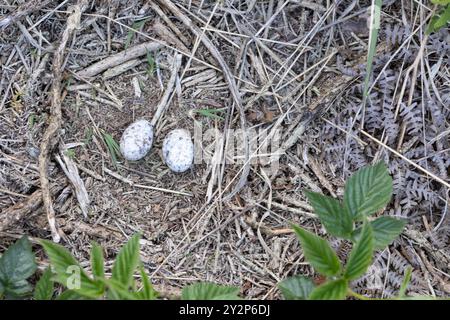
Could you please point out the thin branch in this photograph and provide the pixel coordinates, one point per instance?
(48, 140)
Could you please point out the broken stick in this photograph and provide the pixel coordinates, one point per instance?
(20, 210)
(119, 58)
(48, 141)
(167, 94)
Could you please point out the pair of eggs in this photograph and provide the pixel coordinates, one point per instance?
(177, 150)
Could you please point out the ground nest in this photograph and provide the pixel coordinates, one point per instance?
(294, 69)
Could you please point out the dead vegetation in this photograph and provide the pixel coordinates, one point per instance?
(294, 67)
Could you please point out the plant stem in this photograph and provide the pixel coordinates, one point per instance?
(358, 296)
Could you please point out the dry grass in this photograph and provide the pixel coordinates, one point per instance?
(280, 63)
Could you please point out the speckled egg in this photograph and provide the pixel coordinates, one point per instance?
(136, 140)
(178, 150)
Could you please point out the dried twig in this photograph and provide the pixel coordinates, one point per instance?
(48, 140)
(121, 68)
(168, 36)
(141, 186)
(119, 58)
(70, 169)
(25, 9)
(20, 210)
(167, 94)
(171, 25)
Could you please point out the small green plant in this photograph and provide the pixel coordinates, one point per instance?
(17, 264)
(121, 285)
(132, 32)
(70, 153)
(45, 286)
(79, 284)
(210, 113)
(366, 192)
(442, 17)
(113, 147)
(151, 64)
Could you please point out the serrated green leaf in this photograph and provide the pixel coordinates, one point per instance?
(127, 261)
(68, 271)
(385, 230)
(296, 288)
(147, 292)
(318, 252)
(334, 217)
(16, 265)
(439, 20)
(97, 261)
(361, 254)
(332, 290)
(118, 290)
(18, 289)
(209, 291)
(368, 190)
(45, 286)
(18, 261)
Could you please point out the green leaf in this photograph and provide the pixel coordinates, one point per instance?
(361, 254)
(385, 230)
(332, 290)
(113, 147)
(318, 252)
(147, 292)
(151, 64)
(68, 271)
(368, 190)
(118, 290)
(439, 20)
(210, 113)
(132, 31)
(18, 289)
(71, 295)
(441, 2)
(209, 291)
(97, 261)
(45, 286)
(405, 282)
(16, 265)
(296, 288)
(335, 218)
(127, 261)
